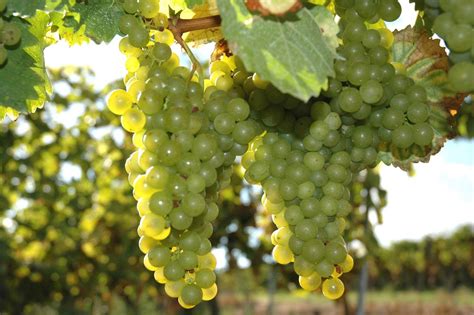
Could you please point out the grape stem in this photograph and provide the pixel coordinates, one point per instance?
(179, 26)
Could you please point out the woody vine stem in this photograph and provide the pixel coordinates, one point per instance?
(179, 26)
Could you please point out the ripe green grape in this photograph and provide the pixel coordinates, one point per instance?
(333, 288)
(10, 34)
(461, 77)
(119, 102)
(133, 120)
(149, 8)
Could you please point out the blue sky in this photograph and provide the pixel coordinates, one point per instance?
(439, 198)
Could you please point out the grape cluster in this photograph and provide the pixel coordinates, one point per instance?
(187, 142)
(10, 34)
(456, 27)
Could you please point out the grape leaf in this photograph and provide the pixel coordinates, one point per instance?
(24, 82)
(25, 7)
(295, 54)
(192, 3)
(101, 18)
(427, 64)
(68, 27)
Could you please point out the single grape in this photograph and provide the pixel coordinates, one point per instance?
(149, 8)
(333, 288)
(10, 34)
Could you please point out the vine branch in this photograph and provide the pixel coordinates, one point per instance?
(179, 26)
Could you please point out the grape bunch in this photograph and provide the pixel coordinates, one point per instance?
(10, 34)
(456, 26)
(187, 141)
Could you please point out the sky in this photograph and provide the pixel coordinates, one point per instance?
(438, 199)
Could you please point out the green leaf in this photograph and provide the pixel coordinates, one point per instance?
(25, 7)
(295, 54)
(192, 3)
(25, 85)
(101, 18)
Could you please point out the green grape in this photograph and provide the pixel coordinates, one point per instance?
(208, 173)
(282, 255)
(366, 8)
(10, 34)
(297, 172)
(204, 146)
(238, 108)
(190, 241)
(313, 250)
(295, 244)
(128, 23)
(319, 130)
(333, 288)
(224, 123)
(224, 82)
(149, 8)
(310, 282)
(354, 31)
(138, 36)
(174, 288)
(400, 102)
(378, 55)
(371, 38)
(335, 252)
(133, 120)
(150, 102)
(188, 260)
(392, 118)
(303, 267)
(161, 203)
(161, 52)
(193, 204)
(371, 91)
(173, 271)
(324, 268)
(169, 153)
(288, 189)
(159, 256)
(418, 112)
(389, 10)
(359, 73)
(362, 136)
(293, 215)
(130, 6)
(402, 137)
(461, 77)
(350, 100)
(180, 220)
(423, 134)
(459, 37)
(195, 183)
(244, 132)
(310, 207)
(443, 24)
(191, 294)
(416, 93)
(205, 278)
(152, 225)
(305, 230)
